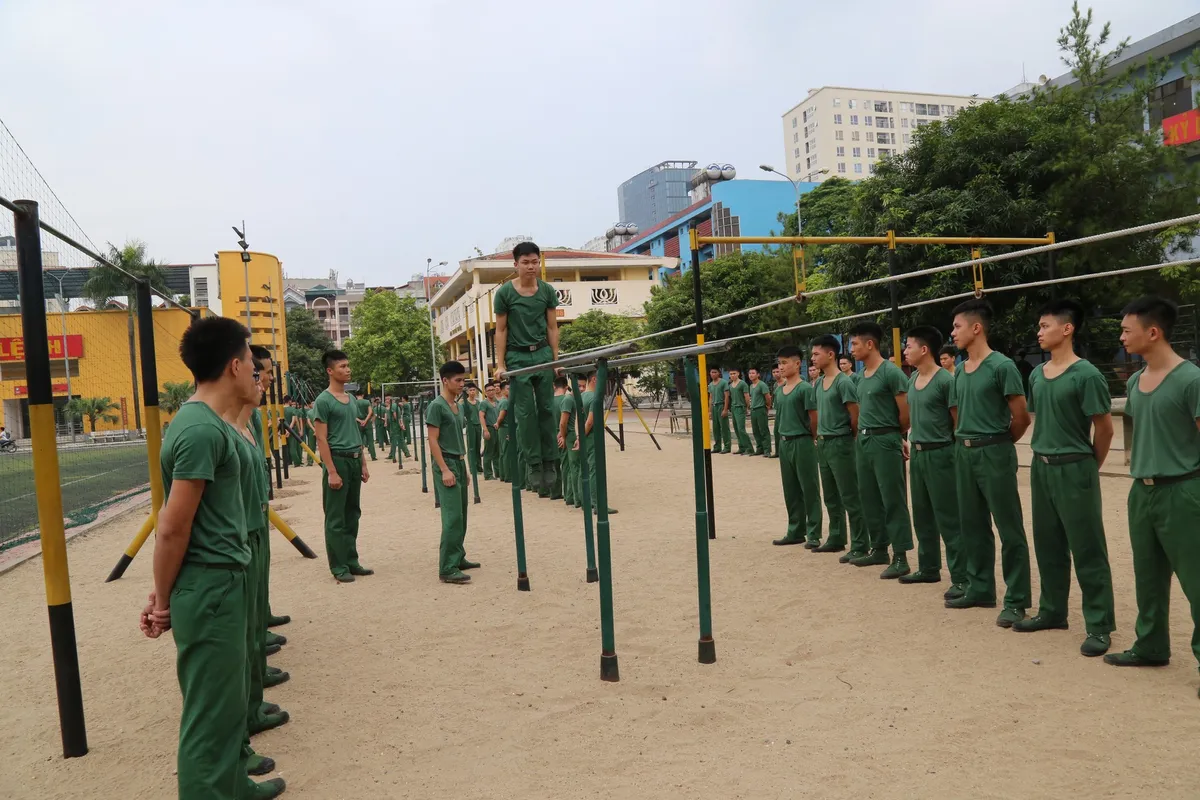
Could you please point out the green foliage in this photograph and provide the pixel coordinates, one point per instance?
(655, 379)
(94, 409)
(173, 396)
(596, 329)
(390, 341)
(105, 283)
(306, 343)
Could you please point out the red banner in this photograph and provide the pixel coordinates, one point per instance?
(23, 391)
(13, 349)
(1182, 128)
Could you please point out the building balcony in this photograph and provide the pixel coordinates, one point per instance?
(621, 297)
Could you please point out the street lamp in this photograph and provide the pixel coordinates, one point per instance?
(246, 270)
(799, 219)
(432, 339)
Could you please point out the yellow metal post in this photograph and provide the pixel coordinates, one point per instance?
(705, 413)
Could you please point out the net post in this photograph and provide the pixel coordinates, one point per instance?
(707, 647)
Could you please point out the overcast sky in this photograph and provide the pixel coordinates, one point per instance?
(368, 136)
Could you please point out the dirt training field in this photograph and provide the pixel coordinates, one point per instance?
(830, 683)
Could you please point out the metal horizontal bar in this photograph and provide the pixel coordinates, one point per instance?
(668, 354)
(571, 361)
(871, 240)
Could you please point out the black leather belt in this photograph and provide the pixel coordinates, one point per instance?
(925, 447)
(454, 456)
(230, 567)
(1063, 458)
(987, 441)
(876, 431)
(823, 437)
(346, 453)
(532, 348)
(1167, 480)
(787, 438)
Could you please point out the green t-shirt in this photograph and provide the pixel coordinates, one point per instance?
(833, 419)
(406, 411)
(472, 411)
(716, 394)
(365, 431)
(758, 395)
(445, 416)
(929, 408)
(256, 428)
(983, 396)
(526, 315)
(341, 421)
(393, 416)
(737, 395)
(1166, 441)
(587, 398)
(489, 412)
(1065, 406)
(775, 396)
(791, 413)
(568, 408)
(199, 445)
(255, 488)
(877, 407)
(856, 376)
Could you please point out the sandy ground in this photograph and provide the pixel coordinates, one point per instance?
(829, 683)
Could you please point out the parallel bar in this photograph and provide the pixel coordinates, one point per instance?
(131, 551)
(716, 346)
(585, 479)
(707, 647)
(289, 534)
(45, 470)
(802, 240)
(518, 480)
(573, 360)
(609, 670)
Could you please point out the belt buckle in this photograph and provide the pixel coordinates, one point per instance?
(966, 442)
(1045, 459)
(1147, 481)
(863, 432)
(533, 348)
(920, 446)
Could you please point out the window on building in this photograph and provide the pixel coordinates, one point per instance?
(934, 110)
(854, 136)
(921, 108)
(808, 163)
(921, 123)
(871, 169)
(884, 122)
(798, 150)
(853, 104)
(883, 106)
(870, 136)
(837, 119)
(884, 152)
(793, 122)
(795, 138)
(906, 106)
(806, 148)
(904, 122)
(842, 167)
(947, 110)
(868, 121)
(870, 152)
(856, 152)
(840, 152)
(858, 169)
(1168, 100)
(799, 168)
(854, 119)
(838, 136)
(837, 102)
(907, 139)
(200, 293)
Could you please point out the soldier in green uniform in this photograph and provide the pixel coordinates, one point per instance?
(796, 421)
(718, 401)
(588, 398)
(491, 437)
(340, 445)
(502, 427)
(1164, 500)
(1071, 437)
(846, 367)
(739, 401)
(394, 423)
(289, 420)
(473, 416)
(560, 396)
(310, 433)
(992, 416)
(265, 366)
(948, 357)
(773, 403)
(381, 432)
(568, 443)
(366, 424)
(878, 453)
(837, 419)
(201, 557)
(406, 424)
(933, 409)
(759, 399)
(451, 481)
(527, 335)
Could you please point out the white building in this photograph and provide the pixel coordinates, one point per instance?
(333, 303)
(843, 132)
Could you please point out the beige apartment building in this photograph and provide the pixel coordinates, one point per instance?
(843, 132)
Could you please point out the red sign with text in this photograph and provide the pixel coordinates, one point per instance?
(13, 349)
(23, 391)
(1182, 128)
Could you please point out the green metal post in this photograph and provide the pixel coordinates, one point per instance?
(608, 651)
(708, 648)
(421, 436)
(584, 481)
(475, 465)
(510, 421)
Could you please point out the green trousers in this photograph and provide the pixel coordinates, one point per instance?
(475, 448)
(452, 551)
(1162, 532)
(801, 489)
(761, 430)
(986, 481)
(256, 632)
(559, 492)
(571, 478)
(368, 439)
(502, 466)
(491, 454)
(209, 621)
(342, 511)
(532, 401)
(294, 450)
(381, 433)
(935, 511)
(1068, 524)
(721, 433)
(883, 490)
(839, 485)
(739, 427)
(311, 438)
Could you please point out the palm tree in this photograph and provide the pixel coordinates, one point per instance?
(174, 395)
(94, 408)
(104, 283)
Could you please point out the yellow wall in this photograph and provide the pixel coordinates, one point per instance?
(103, 369)
(264, 269)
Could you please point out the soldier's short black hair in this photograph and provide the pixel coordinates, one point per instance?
(331, 357)
(1064, 310)
(978, 308)
(452, 368)
(867, 330)
(927, 335)
(789, 351)
(827, 341)
(209, 344)
(1155, 311)
(526, 249)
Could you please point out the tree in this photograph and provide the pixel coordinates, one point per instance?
(174, 395)
(93, 408)
(596, 328)
(391, 340)
(104, 283)
(306, 344)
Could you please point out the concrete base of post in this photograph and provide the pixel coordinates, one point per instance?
(592, 575)
(477, 501)
(708, 651)
(522, 583)
(608, 668)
